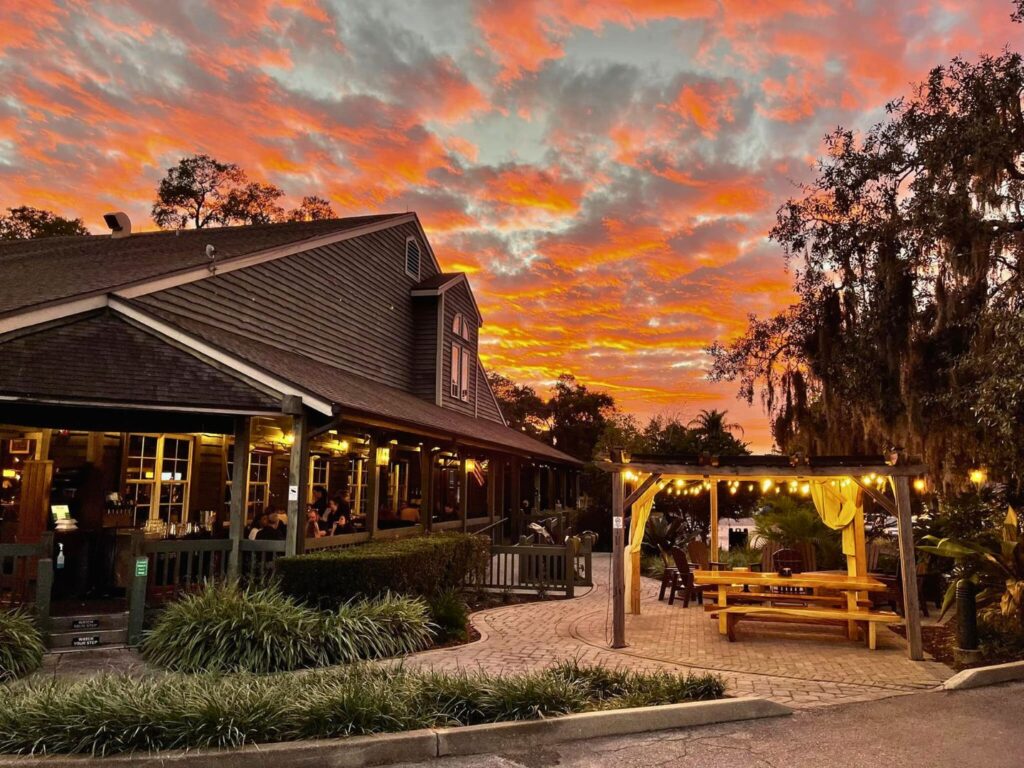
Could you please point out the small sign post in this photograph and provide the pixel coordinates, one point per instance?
(137, 600)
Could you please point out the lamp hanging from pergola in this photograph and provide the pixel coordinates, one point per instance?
(836, 485)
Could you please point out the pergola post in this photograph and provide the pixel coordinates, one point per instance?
(908, 567)
(239, 486)
(618, 562)
(713, 493)
(298, 475)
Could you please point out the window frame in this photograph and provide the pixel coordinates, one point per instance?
(419, 258)
(157, 483)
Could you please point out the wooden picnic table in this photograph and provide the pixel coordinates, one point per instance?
(831, 580)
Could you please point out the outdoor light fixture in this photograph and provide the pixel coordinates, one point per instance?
(978, 476)
(288, 439)
(383, 456)
(766, 484)
(920, 485)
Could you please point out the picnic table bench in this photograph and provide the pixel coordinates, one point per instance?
(737, 589)
(868, 619)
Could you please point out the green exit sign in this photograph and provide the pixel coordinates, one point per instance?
(142, 567)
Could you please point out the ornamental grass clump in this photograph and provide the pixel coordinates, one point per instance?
(21, 645)
(113, 714)
(227, 628)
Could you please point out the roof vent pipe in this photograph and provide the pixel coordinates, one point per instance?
(119, 223)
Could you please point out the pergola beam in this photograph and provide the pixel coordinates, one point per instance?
(878, 498)
(694, 472)
(640, 490)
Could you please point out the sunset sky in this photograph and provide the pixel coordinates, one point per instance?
(607, 171)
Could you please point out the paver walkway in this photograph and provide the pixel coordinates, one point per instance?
(801, 667)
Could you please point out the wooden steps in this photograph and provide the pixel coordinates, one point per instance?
(92, 630)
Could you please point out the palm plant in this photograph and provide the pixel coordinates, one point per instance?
(663, 532)
(996, 567)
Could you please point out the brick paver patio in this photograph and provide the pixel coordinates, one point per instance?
(801, 667)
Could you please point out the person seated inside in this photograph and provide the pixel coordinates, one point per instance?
(339, 517)
(313, 522)
(258, 524)
(320, 501)
(410, 512)
(275, 529)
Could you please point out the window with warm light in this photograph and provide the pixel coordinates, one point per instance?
(157, 473)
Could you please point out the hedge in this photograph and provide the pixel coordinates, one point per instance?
(423, 566)
(21, 645)
(110, 714)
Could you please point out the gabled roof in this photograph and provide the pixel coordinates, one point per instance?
(50, 270)
(442, 283)
(354, 394)
(106, 360)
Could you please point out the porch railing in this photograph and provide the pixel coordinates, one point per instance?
(258, 558)
(184, 565)
(26, 576)
(539, 568)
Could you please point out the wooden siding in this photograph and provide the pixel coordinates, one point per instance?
(486, 404)
(346, 304)
(458, 300)
(424, 350)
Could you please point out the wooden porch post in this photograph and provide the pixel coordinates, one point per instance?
(239, 486)
(298, 472)
(372, 474)
(493, 478)
(516, 507)
(908, 567)
(426, 488)
(713, 493)
(536, 489)
(618, 562)
(464, 491)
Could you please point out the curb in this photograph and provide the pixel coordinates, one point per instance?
(981, 676)
(418, 746)
(506, 737)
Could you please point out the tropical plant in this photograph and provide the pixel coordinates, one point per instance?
(790, 522)
(663, 532)
(227, 628)
(21, 645)
(995, 566)
(741, 557)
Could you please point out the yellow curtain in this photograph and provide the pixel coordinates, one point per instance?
(637, 525)
(838, 507)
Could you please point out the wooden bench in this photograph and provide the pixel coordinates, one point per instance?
(736, 596)
(869, 619)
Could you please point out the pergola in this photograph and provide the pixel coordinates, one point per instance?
(637, 479)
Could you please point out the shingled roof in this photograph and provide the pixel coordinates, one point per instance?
(359, 395)
(110, 361)
(48, 270)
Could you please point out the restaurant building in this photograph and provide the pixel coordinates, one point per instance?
(179, 383)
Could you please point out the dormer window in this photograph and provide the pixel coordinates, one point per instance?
(460, 358)
(412, 258)
(460, 327)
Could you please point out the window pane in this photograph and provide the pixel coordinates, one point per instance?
(465, 374)
(456, 362)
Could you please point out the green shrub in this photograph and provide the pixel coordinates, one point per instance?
(450, 615)
(652, 566)
(21, 645)
(225, 628)
(110, 714)
(419, 565)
